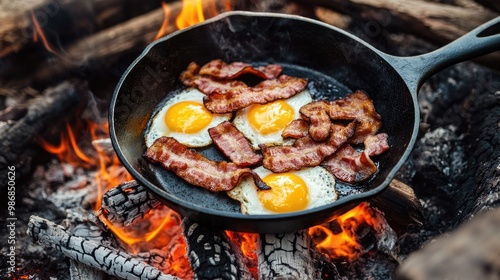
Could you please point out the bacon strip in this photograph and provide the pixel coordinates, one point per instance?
(197, 170)
(305, 152)
(315, 112)
(233, 144)
(356, 106)
(208, 85)
(349, 165)
(266, 91)
(352, 166)
(219, 69)
(376, 144)
(295, 129)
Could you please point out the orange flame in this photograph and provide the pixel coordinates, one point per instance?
(68, 150)
(192, 13)
(160, 226)
(343, 243)
(155, 220)
(164, 26)
(38, 32)
(247, 242)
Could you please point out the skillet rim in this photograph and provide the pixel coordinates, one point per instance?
(332, 208)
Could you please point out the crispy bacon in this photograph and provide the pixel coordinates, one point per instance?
(207, 85)
(305, 151)
(356, 106)
(266, 91)
(219, 69)
(352, 166)
(232, 143)
(197, 170)
(349, 165)
(376, 144)
(295, 129)
(315, 112)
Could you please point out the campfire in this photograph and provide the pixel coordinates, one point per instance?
(73, 209)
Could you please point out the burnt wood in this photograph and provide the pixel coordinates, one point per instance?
(212, 254)
(78, 18)
(107, 259)
(286, 256)
(42, 112)
(126, 204)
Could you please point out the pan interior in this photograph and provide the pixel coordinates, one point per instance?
(320, 86)
(334, 62)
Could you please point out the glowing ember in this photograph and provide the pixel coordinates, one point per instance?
(342, 242)
(160, 229)
(247, 242)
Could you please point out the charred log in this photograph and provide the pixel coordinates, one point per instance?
(95, 255)
(42, 111)
(126, 203)
(17, 27)
(212, 254)
(286, 256)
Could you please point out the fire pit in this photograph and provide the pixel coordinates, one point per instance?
(71, 207)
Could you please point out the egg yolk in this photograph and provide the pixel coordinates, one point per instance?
(187, 117)
(288, 193)
(271, 117)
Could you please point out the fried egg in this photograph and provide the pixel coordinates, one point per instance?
(290, 191)
(185, 118)
(264, 123)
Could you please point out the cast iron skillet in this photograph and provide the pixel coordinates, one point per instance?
(335, 62)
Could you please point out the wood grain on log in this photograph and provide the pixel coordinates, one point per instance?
(212, 254)
(470, 252)
(109, 260)
(286, 256)
(106, 46)
(79, 17)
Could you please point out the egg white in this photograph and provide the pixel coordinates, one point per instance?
(158, 127)
(241, 122)
(320, 183)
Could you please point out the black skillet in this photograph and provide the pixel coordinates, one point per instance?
(334, 61)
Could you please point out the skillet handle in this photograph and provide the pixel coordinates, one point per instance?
(416, 69)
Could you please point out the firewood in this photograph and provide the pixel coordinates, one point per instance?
(469, 252)
(95, 255)
(80, 271)
(41, 113)
(16, 18)
(212, 254)
(106, 46)
(400, 205)
(439, 23)
(126, 204)
(286, 256)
